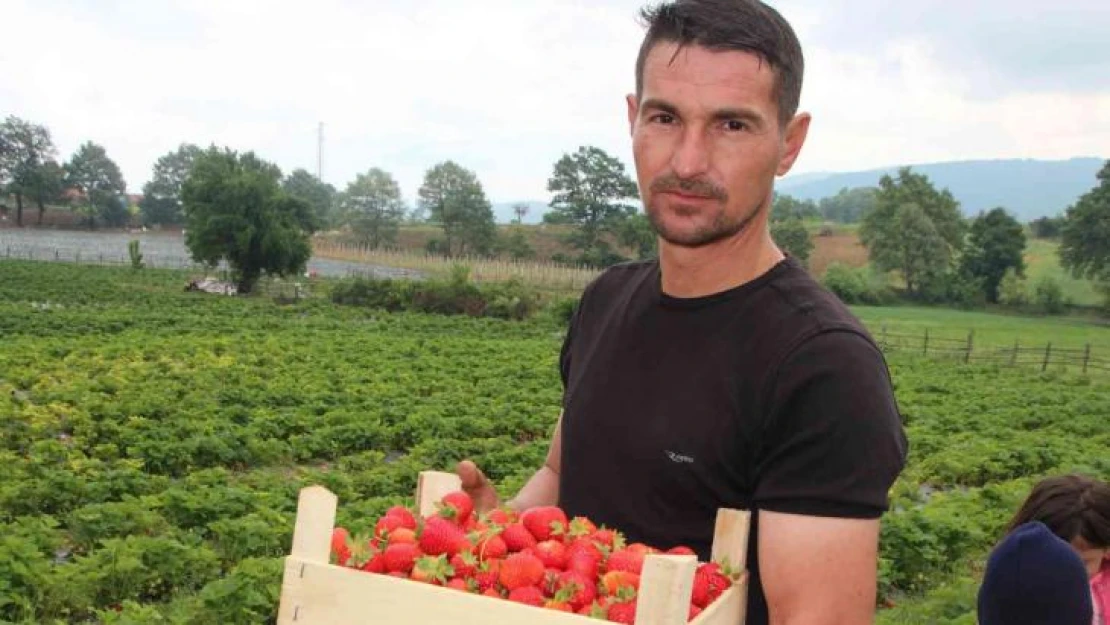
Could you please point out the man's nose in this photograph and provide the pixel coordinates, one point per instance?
(691, 156)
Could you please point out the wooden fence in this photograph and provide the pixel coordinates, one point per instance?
(1087, 358)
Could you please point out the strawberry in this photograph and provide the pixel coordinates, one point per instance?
(613, 581)
(586, 545)
(464, 563)
(501, 516)
(694, 612)
(458, 583)
(517, 537)
(553, 553)
(456, 506)
(432, 570)
(543, 522)
(582, 589)
(622, 612)
(400, 557)
(441, 537)
(580, 526)
(611, 539)
(681, 550)
(487, 574)
(490, 547)
(583, 562)
(407, 518)
(527, 594)
(492, 592)
(627, 559)
(340, 548)
(709, 583)
(386, 525)
(598, 610)
(401, 535)
(519, 570)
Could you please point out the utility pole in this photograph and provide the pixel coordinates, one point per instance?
(320, 152)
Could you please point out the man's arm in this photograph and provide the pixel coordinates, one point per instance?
(818, 570)
(833, 445)
(542, 489)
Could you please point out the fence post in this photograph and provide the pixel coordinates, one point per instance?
(967, 357)
(1013, 355)
(1086, 358)
(925, 350)
(1047, 355)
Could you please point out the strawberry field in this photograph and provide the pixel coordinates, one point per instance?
(154, 441)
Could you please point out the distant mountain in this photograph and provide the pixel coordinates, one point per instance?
(1025, 187)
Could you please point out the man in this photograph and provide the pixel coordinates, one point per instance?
(722, 374)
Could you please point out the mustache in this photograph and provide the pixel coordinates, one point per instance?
(689, 186)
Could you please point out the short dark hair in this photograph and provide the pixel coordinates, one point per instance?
(1071, 506)
(742, 25)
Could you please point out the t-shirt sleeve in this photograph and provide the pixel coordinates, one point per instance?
(834, 441)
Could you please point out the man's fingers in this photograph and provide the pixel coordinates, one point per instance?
(470, 475)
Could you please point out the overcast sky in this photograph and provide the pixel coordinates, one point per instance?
(505, 87)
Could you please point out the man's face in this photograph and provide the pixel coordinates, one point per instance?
(707, 142)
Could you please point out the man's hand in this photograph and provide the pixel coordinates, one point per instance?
(477, 485)
(818, 571)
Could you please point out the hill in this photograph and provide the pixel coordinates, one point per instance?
(1027, 188)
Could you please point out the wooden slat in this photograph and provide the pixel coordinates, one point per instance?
(729, 609)
(730, 538)
(665, 586)
(431, 486)
(316, 507)
(324, 594)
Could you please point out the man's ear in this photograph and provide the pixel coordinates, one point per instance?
(795, 138)
(633, 111)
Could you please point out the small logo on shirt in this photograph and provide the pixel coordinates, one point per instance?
(678, 458)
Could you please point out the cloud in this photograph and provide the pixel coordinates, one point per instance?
(506, 87)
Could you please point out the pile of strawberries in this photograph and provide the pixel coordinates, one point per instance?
(539, 558)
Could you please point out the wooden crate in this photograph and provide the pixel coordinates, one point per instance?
(315, 592)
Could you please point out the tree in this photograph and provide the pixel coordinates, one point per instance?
(848, 205)
(161, 203)
(25, 150)
(454, 198)
(791, 235)
(48, 183)
(100, 183)
(636, 232)
(236, 211)
(910, 200)
(1085, 236)
(373, 207)
(520, 210)
(996, 244)
(1046, 227)
(319, 194)
(788, 207)
(589, 186)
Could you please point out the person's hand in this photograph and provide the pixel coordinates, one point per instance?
(477, 485)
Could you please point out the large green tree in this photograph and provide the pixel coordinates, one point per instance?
(996, 244)
(320, 195)
(791, 235)
(789, 207)
(236, 211)
(590, 191)
(849, 204)
(101, 184)
(1085, 235)
(932, 248)
(161, 203)
(454, 198)
(26, 151)
(373, 207)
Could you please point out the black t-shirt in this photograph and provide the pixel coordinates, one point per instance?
(770, 396)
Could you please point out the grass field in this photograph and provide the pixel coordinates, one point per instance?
(154, 440)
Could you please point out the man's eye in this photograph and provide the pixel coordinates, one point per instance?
(662, 118)
(735, 125)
